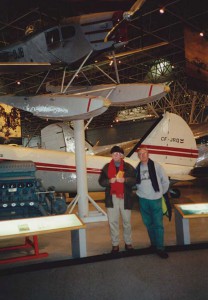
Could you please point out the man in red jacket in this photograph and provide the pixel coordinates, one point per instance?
(118, 177)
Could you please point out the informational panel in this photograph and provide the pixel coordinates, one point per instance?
(196, 210)
(183, 214)
(40, 225)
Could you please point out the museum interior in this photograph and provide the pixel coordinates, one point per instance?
(77, 78)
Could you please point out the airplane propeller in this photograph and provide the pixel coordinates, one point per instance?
(127, 16)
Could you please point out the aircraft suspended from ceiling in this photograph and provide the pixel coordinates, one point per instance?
(76, 39)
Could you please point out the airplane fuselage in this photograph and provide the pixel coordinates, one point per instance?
(67, 43)
(55, 168)
(58, 169)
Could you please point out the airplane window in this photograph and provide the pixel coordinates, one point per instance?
(52, 38)
(67, 32)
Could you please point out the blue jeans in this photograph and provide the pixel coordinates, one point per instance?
(152, 216)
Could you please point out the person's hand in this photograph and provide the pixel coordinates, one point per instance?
(112, 180)
(121, 180)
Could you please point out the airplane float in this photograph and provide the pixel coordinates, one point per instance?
(59, 106)
(90, 103)
(129, 94)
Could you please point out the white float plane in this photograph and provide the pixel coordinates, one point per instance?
(170, 142)
(76, 40)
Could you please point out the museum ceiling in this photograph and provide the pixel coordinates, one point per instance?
(155, 39)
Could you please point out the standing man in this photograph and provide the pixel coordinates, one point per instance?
(152, 183)
(118, 177)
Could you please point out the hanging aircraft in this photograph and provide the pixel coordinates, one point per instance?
(73, 40)
(170, 142)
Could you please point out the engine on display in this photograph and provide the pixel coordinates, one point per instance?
(22, 194)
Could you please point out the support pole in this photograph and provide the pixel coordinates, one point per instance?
(81, 171)
(82, 197)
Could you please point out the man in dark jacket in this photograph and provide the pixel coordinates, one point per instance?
(118, 177)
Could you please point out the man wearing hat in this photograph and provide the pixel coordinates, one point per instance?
(118, 177)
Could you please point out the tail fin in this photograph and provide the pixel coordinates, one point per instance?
(169, 141)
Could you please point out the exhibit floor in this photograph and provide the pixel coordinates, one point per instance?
(58, 245)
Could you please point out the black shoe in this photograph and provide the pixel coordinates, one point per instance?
(115, 249)
(129, 247)
(162, 253)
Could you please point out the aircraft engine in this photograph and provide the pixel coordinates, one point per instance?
(22, 194)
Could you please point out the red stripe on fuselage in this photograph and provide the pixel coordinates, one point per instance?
(58, 168)
(172, 151)
(62, 168)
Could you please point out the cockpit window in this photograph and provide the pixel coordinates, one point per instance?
(67, 32)
(52, 38)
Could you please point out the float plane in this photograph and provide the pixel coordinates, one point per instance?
(73, 40)
(76, 40)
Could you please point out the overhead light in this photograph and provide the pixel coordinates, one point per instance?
(162, 10)
(201, 33)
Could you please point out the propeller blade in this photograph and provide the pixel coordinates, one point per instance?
(111, 32)
(135, 7)
(126, 17)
